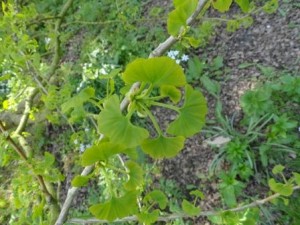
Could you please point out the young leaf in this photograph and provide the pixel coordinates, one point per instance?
(283, 189)
(163, 147)
(117, 127)
(189, 208)
(178, 17)
(156, 71)
(198, 194)
(191, 116)
(278, 169)
(297, 178)
(271, 6)
(116, 207)
(172, 92)
(244, 5)
(100, 152)
(148, 217)
(157, 196)
(222, 5)
(135, 176)
(80, 181)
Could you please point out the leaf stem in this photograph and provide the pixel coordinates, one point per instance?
(172, 107)
(152, 118)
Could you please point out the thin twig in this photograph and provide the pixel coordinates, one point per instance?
(170, 217)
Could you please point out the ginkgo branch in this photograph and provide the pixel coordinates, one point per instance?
(170, 217)
(160, 50)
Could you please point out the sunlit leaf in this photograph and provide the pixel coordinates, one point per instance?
(79, 181)
(244, 5)
(172, 92)
(222, 5)
(192, 115)
(116, 207)
(297, 178)
(135, 176)
(100, 152)
(178, 17)
(158, 197)
(278, 169)
(148, 217)
(282, 189)
(117, 127)
(190, 209)
(157, 71)
(163, 147)
(198, 194)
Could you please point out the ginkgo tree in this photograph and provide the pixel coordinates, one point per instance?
(157, 81)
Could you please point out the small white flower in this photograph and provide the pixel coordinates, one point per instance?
(173, 53)
(184, 58)
(82, 147)
(177, 61)
(95, 52)
(47, 40)
(75, 141)
(299, 129)
(86, 129)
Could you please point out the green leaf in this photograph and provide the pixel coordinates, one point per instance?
(116, 207)
(178, 17)
(271, 6)
(79, 181)
(211, 86)
(278, 169)
(156, 71)
(191, 116)
(135, 176)
(232, 25)
(156, 196)
(100, 152)
(222, 5)
(244, 5)
(189, 208)
(78, 100)
(198, 194)
(228, 194)
(297, 178)
(172, 92)
(282, 189)
(75, 104)
(163, 147)
(117, 127)
(148, 217)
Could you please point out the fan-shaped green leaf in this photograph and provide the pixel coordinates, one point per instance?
(117, 127)
(135, 176)
(178, 17)
(244, 5)
(148, 217)
(192, 115)
(172, 92)
(157, 71)
(189, 208)
(100, 152)
(116, 207)
(283, 189)
(297, 178)
(222, 5)
(278, 169)
(163, 147)
(156, 196)
(80, 181)
(198, 194)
